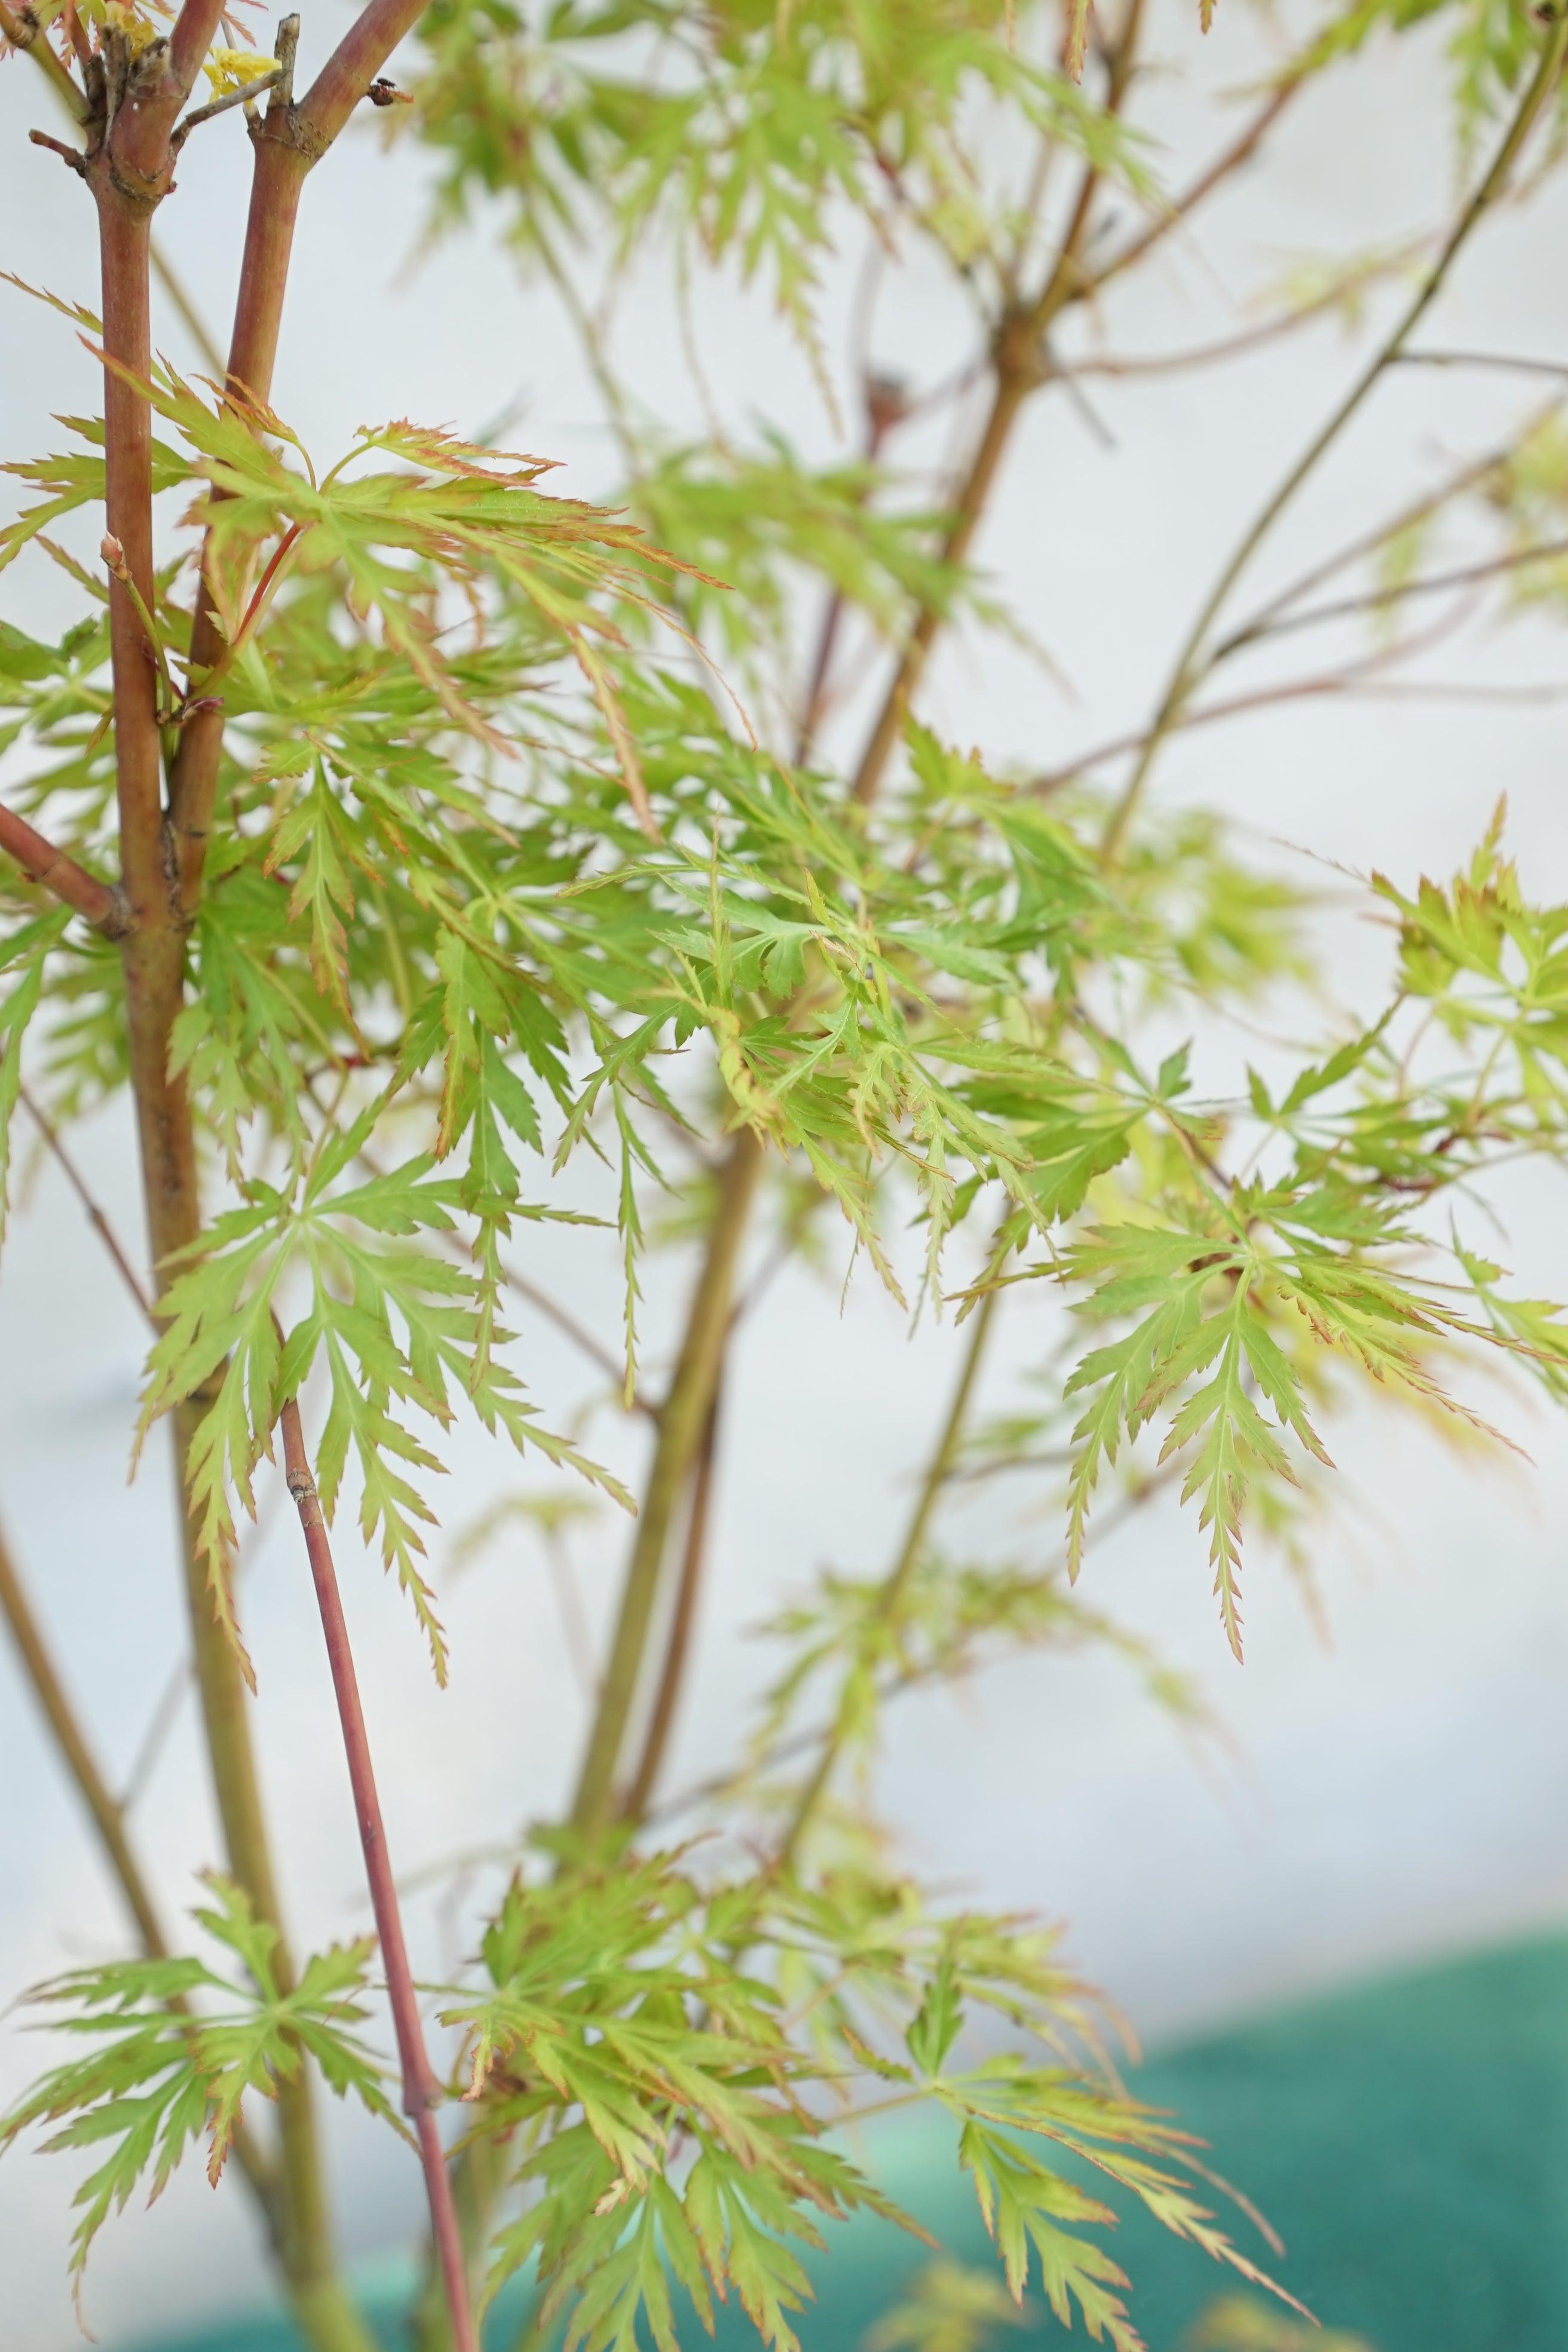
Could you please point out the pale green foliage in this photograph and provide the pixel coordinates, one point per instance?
(659, 2084)
(1491, 45)
(739, 129)
(173, 2048)
(949, 1617)
(952, 2308)
(528, 852)
(1237, 2323)
(758, 523)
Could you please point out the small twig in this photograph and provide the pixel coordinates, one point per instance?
(895, 1583)
(1066, 373)
(1191, 666)
(1355, 678)
(1415, 689)
(887, 407)
(574, 1621)
(96, 1215)
(114, 562)
(682, 1418)
(53, 870)
(160, 1724)
(243, 96)
(1238, 153)
(1352, 687)
(1226, 347)
(580, 1335)
(76, 34)
(1463, 478)
(1508, 362)
(421, 2090)
(1017, 369)
(1374, 600)
(271, 577)
(72, 156)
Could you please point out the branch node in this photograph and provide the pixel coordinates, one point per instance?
(120, 921)
(72, 156)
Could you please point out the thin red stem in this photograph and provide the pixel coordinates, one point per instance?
(421, 2090)
(259, 594)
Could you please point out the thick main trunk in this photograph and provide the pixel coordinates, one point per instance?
(154, 958)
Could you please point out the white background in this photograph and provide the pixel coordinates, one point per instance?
(1396, 1792)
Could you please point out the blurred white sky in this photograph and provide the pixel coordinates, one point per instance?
(1401, 1792)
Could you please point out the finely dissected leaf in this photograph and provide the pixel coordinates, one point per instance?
(1024, 2205)
(537, 903)
(400, 1331)
(174, 2047)
(775, 122)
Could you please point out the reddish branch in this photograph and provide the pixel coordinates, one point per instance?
(289, 139)
(1241, 151)
(43, 863)
(353, 67)
(421, 2092)
(131, 118)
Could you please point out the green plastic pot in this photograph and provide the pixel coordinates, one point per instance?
(1409, 2140)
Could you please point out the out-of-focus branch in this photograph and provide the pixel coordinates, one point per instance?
(108, 1815)
(1230, 160)
(1191, 666)
(96, 1215)
(1377, 600)
(910, 1553)
(1463, 478)
(683, 1623)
